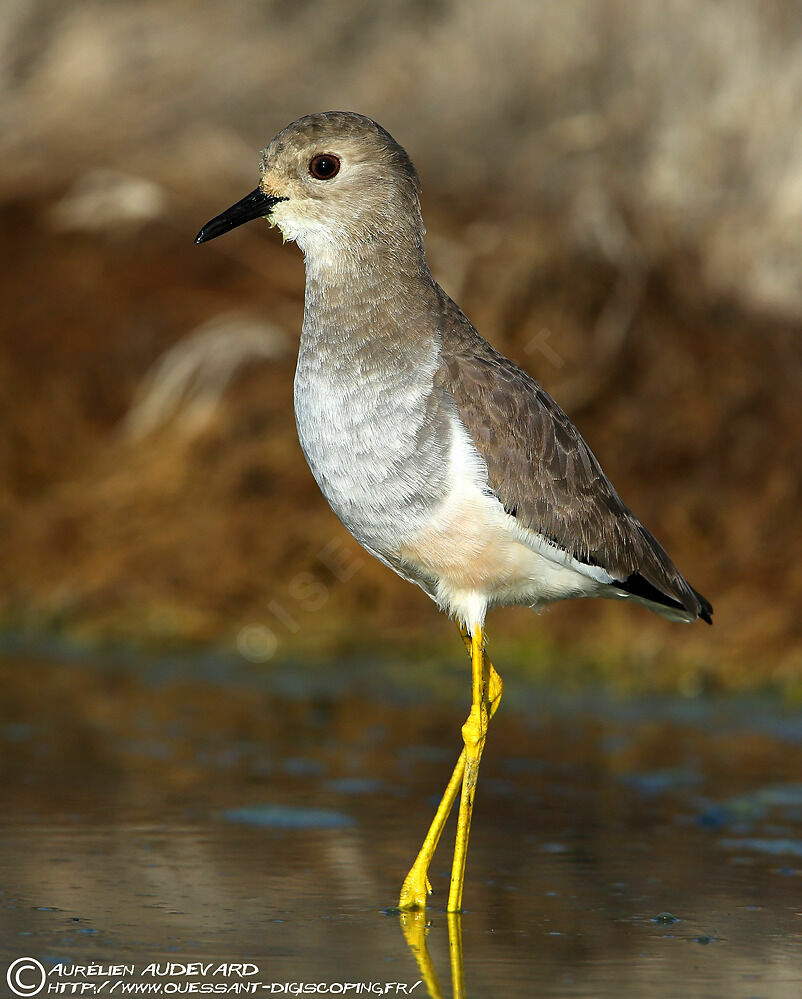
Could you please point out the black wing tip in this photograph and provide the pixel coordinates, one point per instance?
(638, 586)
(705, 607)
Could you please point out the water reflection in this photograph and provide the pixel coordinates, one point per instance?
(208, 814)
(416, 928)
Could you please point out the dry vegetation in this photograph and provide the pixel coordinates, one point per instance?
(612, 193)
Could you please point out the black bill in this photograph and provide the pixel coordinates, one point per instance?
(255, 205)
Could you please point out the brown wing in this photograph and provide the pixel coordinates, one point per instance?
(546, 475)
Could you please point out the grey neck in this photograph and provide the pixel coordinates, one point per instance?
(360, 293)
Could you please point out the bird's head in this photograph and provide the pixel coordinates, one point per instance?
(331, 179)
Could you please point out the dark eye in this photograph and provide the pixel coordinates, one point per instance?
(325, 166)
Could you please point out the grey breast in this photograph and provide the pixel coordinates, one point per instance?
(371, 424)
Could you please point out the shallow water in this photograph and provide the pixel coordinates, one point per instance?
(200, 811)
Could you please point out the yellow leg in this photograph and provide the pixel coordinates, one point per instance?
(416, 885)
(474, 733)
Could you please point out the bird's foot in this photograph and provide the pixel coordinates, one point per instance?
(415, 889)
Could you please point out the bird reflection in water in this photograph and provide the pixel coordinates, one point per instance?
(416, 927)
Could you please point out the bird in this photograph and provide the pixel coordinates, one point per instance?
(444, 459)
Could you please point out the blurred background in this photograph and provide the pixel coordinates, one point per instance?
(613, 193)
(223, 725)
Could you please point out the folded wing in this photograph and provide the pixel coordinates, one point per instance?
(547, 477)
